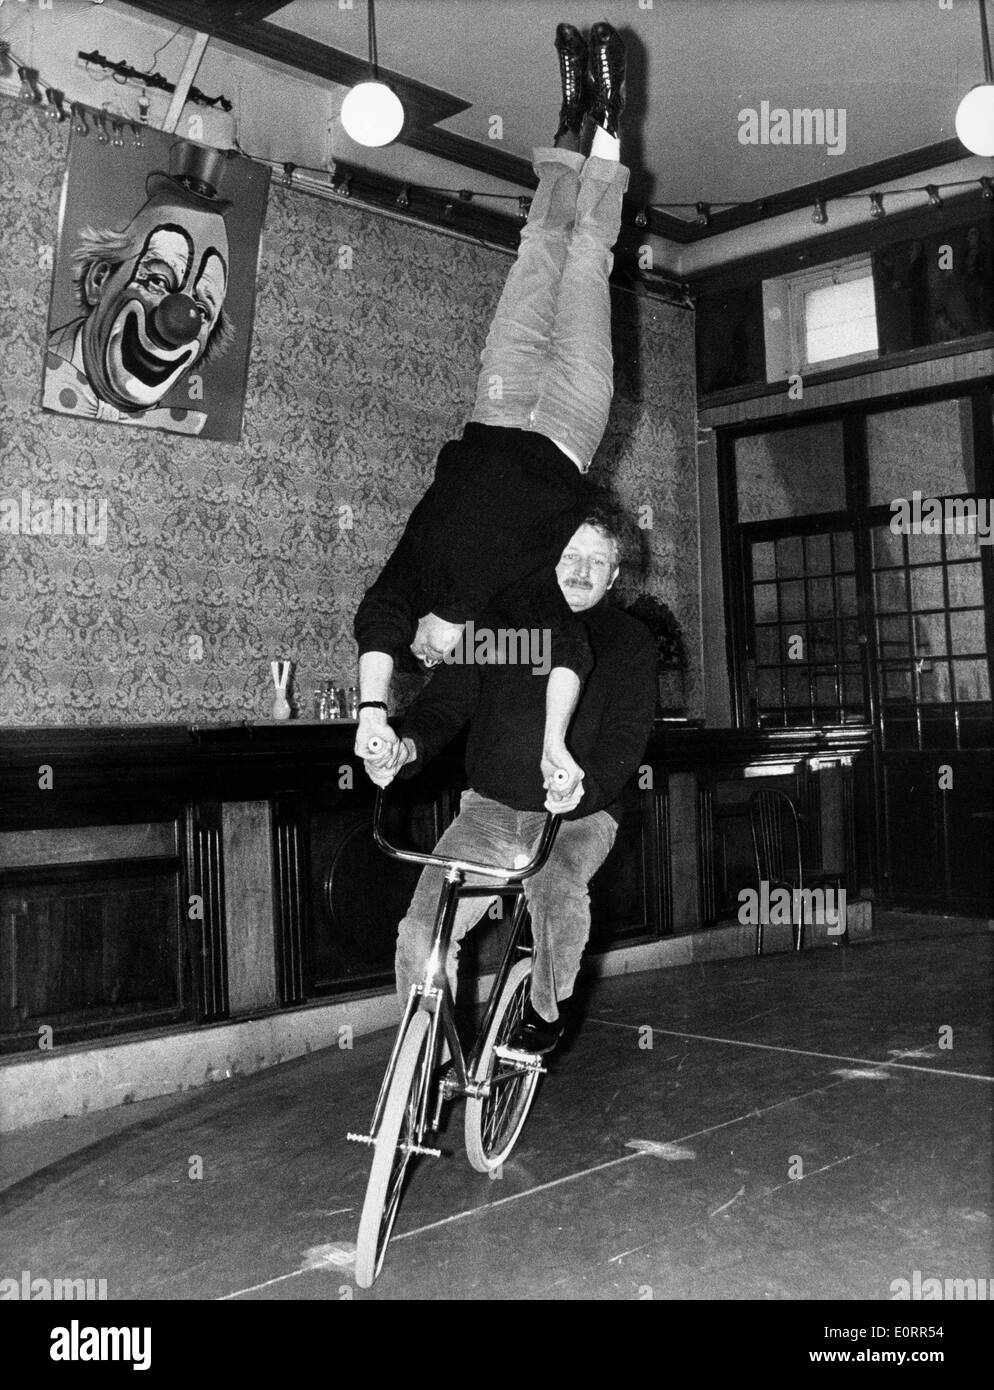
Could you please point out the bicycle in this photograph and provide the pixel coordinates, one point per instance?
(498, 1082)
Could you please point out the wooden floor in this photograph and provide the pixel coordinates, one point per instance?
(802, 1127)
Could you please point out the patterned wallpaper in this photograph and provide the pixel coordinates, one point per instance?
(221, 557)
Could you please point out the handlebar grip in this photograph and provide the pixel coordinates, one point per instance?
(560, 777)
(374, 744)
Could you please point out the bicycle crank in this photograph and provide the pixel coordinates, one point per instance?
(524, 1061)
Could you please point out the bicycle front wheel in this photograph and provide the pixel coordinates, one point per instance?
(392, 1152)
(494, 1121)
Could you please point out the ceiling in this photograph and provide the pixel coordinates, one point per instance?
(897, 67)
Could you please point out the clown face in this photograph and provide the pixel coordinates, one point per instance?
(153, 313)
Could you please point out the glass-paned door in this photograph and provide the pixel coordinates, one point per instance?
(807, 659)
(861, 591)
(933, 678)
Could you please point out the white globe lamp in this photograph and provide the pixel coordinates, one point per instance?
(372, 114)
(975, 119)
(975, 113)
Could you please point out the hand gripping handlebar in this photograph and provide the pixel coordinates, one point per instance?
(560, 777)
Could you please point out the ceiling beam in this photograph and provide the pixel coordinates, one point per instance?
(868, 177)
(422, 103)
(248, 11)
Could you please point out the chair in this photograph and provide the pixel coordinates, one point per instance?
(776, 843)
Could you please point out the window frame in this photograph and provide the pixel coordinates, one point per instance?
(859, 514)
(799, 286)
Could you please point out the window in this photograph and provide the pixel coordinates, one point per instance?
(839, 320)
(820, 318)
(835, 602)
(804, 622)
(790, 472)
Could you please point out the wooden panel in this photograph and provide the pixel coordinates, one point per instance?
(314, 906)
(357, 896)
(923, 298)
(248, 906)
(91, 951)
(206, 933)
(938, 845)
(968, 830)
(730, 344)
(623, 894)
(87, 844)
(292, 903)
(937, 368)
(714, 654)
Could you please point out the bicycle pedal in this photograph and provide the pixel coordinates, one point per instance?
(531, 1060)
(361, 1138)
(423, 1150)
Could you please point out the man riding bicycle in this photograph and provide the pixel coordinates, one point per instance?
(502, 813)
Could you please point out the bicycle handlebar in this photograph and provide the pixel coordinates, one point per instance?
(443, 861)
(560, 777)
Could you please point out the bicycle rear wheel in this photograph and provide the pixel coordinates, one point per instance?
(493, 1122)
(392, 1154)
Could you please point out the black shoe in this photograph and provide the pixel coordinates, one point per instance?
(607, 77)
(534, 1034)
(573, 57)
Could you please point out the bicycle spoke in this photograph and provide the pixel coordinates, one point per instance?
(494, 1121)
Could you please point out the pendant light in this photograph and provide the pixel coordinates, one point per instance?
(371, 113)
(975, 115)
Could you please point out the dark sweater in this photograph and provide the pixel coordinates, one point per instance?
(504, 706)
(494, 522)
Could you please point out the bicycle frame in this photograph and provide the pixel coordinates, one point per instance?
(433, 994)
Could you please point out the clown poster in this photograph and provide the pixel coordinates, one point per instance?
(153, 293)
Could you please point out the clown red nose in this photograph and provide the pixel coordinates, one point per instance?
(177, 320)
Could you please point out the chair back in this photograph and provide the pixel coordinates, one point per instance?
(776, 837)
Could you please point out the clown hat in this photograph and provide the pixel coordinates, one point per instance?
(194, 174)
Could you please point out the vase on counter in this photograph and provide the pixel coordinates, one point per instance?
(281, 681)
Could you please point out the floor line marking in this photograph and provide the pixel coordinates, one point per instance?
(795, 1051)
(267, 1283)
(791, 1182)
(758, 1196)
(730, 1202)
(556, 1182)
(612, 1162)
(609, 1163)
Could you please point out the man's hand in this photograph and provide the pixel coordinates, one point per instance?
(557, 759)
(559, 803)
(562, 778)
(435, 638)
(381, 774)
(373, 724)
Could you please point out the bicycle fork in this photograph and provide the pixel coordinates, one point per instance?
(432, 989)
